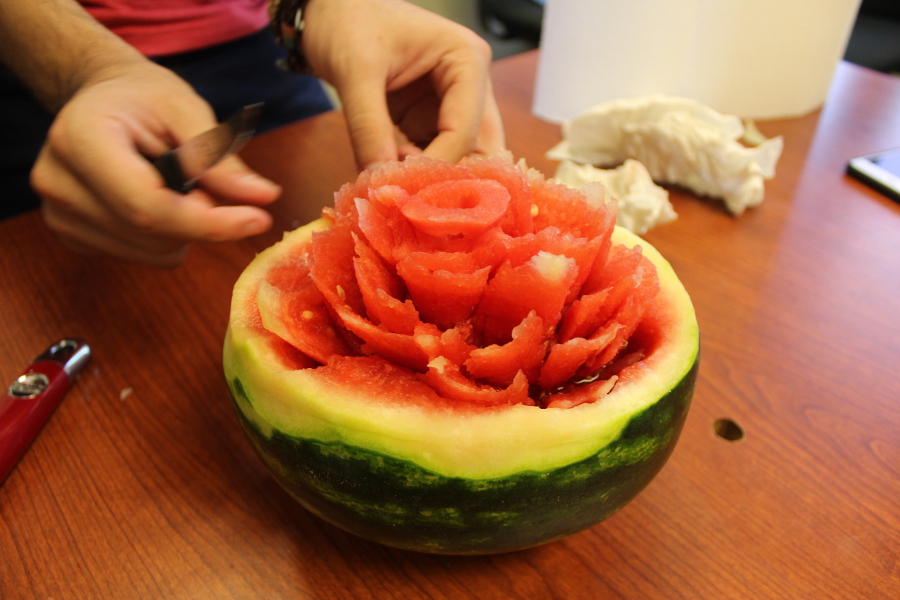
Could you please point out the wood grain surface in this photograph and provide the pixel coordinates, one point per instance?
(142, 486)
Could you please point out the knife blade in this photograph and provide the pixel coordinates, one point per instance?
(33, 396)
(181, 167)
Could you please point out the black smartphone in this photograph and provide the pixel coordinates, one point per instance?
(880, 171)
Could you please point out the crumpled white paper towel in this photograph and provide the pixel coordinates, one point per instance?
(642, 204)
(680, 142)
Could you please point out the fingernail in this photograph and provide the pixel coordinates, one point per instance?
(254, 227)
(261, 182)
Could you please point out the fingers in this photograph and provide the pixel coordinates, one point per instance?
(491, 137)
(80, 235)
(404, 146)
(449, 120)
(368, 121)
(448, 132)
(108, 198)
(404, 67)
(234, 181)
(87, 226)
(461, 84)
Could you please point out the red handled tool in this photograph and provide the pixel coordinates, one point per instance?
(31, 399)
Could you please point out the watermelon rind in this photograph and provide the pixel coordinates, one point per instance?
(464, 481)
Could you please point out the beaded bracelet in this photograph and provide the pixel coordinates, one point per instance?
(287, 17)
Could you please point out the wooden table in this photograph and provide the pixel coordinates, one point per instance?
(142, 485)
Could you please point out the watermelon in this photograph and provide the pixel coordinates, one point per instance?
(462, 358)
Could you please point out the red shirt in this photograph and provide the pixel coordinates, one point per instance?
(160, 27)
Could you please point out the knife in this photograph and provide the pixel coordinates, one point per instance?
(184, 165)
(32, 397)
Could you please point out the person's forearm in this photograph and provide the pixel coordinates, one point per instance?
(55, 46)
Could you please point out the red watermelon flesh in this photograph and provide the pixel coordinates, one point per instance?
(540, 285)
(482, 280)
(518, 219)
(464, 207)
(295, 310)
(445, 287)
(525, 352)
(381, 292)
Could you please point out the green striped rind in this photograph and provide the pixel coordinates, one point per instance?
(398, 503)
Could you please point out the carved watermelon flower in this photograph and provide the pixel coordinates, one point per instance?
(462, 359)
(482, 279)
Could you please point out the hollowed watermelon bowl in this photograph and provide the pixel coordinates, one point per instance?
(462, 359)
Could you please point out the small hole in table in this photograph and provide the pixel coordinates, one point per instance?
(728, 430)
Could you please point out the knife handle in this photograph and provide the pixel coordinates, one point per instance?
(30, 400)
(172, 173)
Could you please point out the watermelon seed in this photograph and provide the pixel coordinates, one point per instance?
(728, 430)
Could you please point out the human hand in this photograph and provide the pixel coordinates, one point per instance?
(408, 79)
(102, 194)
